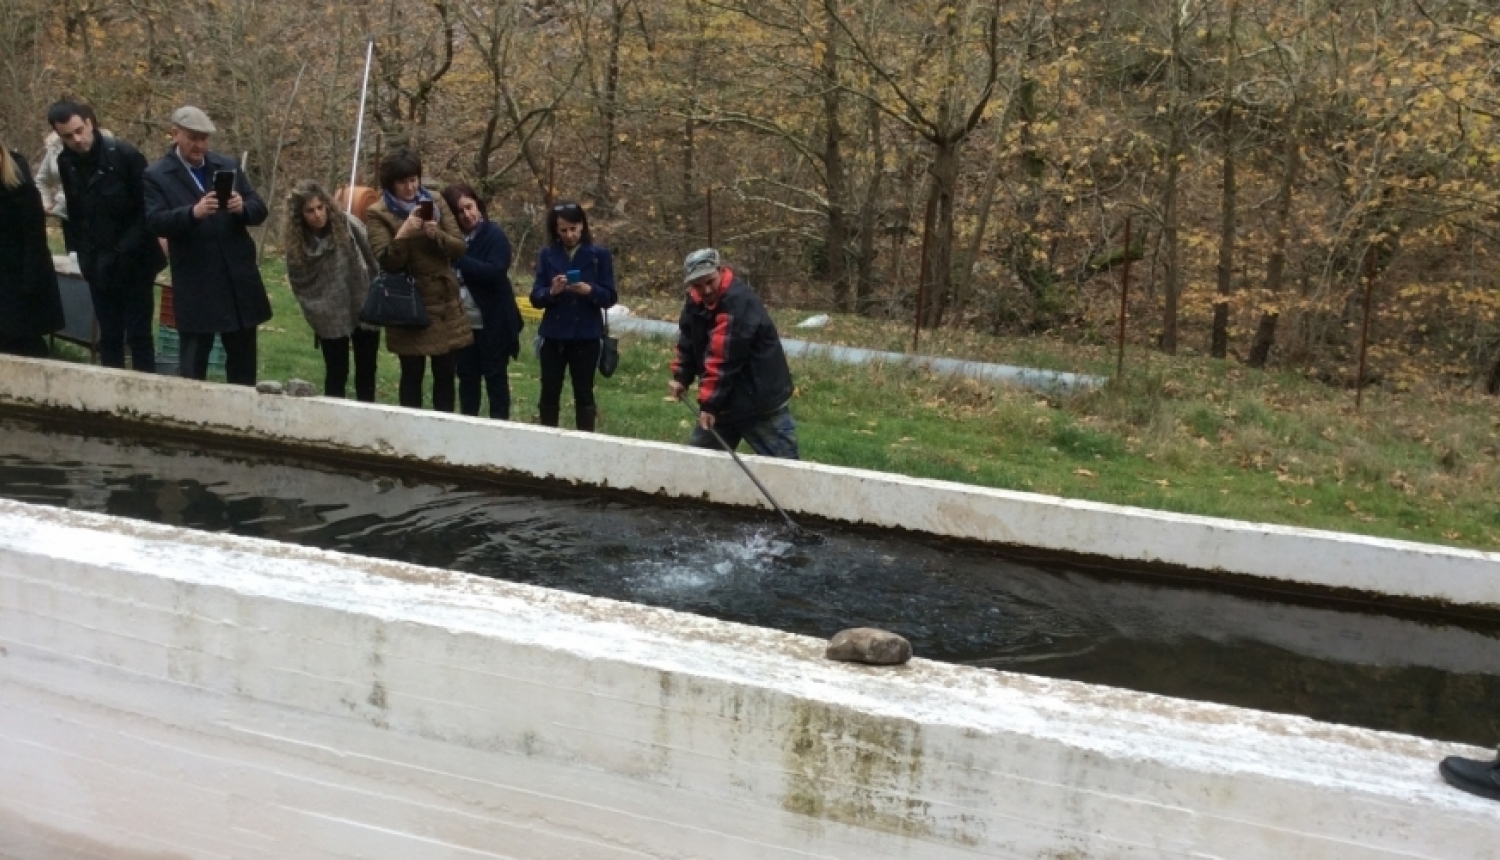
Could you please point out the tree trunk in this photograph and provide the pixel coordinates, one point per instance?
(864, 290)
(611, 107)
(1219, 347)
(939, 277)
(965, 273)
(1172, 276)
(1023, 96)
(1265, 332)
(1028, 200)
(837, 235)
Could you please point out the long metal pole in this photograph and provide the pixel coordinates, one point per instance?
(746, 469)
(1124, 293)
(359, 127)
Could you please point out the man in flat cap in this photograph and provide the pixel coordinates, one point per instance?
(728, 343)
(203, 205)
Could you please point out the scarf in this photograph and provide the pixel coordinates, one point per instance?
(404, 210)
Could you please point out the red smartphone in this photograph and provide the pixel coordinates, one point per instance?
(424, 210)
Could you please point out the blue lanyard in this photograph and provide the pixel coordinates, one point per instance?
(193, 171)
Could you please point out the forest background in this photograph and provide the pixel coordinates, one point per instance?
(1283, 179)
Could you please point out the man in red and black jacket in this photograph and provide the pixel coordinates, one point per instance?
(728, 343)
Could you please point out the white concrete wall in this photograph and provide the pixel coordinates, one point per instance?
(1305, 556)
(173, 694)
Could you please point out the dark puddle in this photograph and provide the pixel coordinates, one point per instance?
(1425, 674)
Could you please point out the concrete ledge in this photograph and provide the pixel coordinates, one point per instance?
(1278, 553)
(179, 694)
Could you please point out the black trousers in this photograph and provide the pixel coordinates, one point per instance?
(577, 359)
(366, 344)
(125, 312)
(484, 361)
(414, 368)
(239, 355)
(70, 235)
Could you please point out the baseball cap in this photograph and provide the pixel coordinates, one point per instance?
(704, 261)
(193, 119)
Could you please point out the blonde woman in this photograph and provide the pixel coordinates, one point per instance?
(329, 265)
(30, 307)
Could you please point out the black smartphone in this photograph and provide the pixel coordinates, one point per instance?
(424, 210)
(223, 186)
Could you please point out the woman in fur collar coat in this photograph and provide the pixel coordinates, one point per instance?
(329, 266)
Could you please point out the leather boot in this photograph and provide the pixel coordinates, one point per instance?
(586, 419)
(547, 415)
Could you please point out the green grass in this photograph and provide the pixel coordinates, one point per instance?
(1190, 435)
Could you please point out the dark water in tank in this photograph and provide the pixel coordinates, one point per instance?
(1429, 675)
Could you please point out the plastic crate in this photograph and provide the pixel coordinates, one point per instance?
(169, 354)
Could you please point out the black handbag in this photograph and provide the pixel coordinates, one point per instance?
(609, 350)
(394, 302)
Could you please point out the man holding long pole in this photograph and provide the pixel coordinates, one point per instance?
(729, 345)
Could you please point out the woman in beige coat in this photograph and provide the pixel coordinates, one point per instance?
(405, 239)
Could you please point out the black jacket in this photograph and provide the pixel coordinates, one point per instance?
(107, 207)
(29, 302)
(486, 271)
(216, 285)
(733, 348)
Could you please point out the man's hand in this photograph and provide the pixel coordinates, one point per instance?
(236, 203)
(207, 205)
(706, 420)
(675, 389)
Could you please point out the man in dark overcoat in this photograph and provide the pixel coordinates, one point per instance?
(216, 284)
(103, 179)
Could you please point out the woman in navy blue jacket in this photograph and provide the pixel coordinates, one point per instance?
(484, 276)
(575, 282)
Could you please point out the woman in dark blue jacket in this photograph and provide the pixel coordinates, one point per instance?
(484, 276)
(575, 282)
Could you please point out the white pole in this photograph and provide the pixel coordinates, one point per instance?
(359, 128)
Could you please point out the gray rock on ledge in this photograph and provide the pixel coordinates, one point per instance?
(268, 386)
(869, 645)
(301, 388)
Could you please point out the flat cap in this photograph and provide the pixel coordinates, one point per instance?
(704, 261)
(193, 119)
